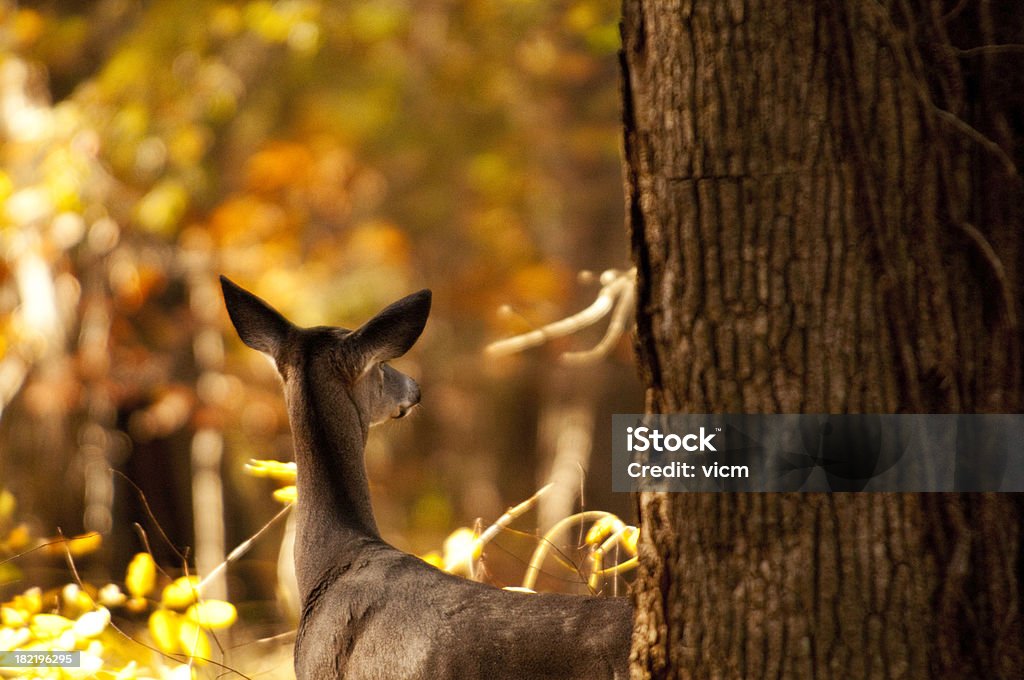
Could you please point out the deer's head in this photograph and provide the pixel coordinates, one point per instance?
(344, 364)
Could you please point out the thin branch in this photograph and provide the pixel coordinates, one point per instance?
(510, 515)
(955, 12)
(616, 297)
(978, 137)
(998, 270)
(991, 49)
(173, 657)
(243, 547)
(152, 517)
(621, 316)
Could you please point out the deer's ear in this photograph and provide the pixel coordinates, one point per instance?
(259, 325)
(394, 329)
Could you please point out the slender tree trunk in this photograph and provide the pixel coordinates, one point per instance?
(825, 212)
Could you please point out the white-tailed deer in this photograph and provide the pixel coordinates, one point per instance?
(369, 610)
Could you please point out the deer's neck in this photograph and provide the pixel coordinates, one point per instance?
(333, 510)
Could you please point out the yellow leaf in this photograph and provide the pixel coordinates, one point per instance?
(286, 494)
(76, 601)
(462, 548)
(129, 672)
(160, 210)
(141, 575)
(182, 672)
(13, 638)
(49, 625)
(180, 593)
(85, 544)
(18, 538)
(76, 545)
(137, 604)
(163, 628)
(274, 469)
(111, 596)
(7, 500)
(193, 640)
(91, 624)
(89, 665)
(30, 602)
(212, 614)
(12, 617)
(434, 559)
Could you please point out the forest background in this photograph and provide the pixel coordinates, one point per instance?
(331, 157)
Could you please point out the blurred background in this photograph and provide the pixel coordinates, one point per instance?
(331, 157)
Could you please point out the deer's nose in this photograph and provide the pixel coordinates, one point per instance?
(412, 398)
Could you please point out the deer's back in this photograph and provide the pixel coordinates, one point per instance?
(388, 615)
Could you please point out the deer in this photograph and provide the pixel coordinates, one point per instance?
(370, 611)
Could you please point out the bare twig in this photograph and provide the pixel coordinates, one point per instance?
(616, 297)
(978, 137)
(152, 517)
(243, 547)
(510, 515)
(991, 49)
(173, 657)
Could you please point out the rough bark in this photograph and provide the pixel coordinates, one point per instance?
(825, 212)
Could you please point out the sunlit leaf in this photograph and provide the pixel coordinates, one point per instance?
(110, 595)
(141, 575)
(433, 558)
(85, 544)
(282, 471)
(18, 538)
(212, 614)
(89, 664)
(28, 603)
(6, 186)
(137, 605)
(180, 593)
(193, 639)
(49, 625)
(75, 599)
(462, 549)
(286, 494)
(91, 624)
(129, 672)
(13, 617)
(163, 628)
(161, 210)
(13, 637)
(7, 505)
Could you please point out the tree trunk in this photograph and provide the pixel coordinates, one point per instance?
(825, 212)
